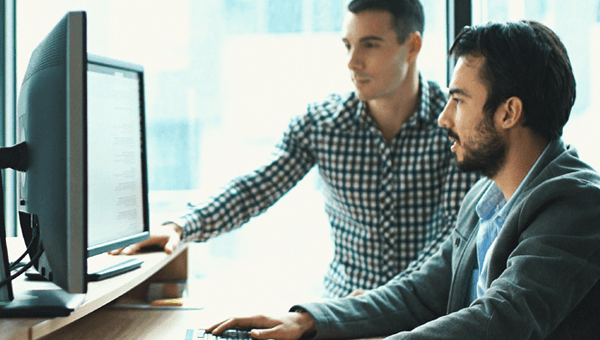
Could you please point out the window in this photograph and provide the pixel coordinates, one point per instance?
(7, 106)
(223, 79)
(577, 23)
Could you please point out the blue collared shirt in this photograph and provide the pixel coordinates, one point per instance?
(492, 210)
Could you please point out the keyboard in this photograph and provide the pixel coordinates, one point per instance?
(231, 334)
(98, 270)
(103, 267)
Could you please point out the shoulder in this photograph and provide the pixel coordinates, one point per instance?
(436, 96)
(436, 90)
(564, 197)
(333, 106)
(581, 188)
(432, 101)
(336, 110)
(565, 173)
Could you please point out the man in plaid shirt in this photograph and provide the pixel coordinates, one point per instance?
(391, 186)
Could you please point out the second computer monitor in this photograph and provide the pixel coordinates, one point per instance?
(117, 172)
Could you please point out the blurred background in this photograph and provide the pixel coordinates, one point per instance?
(223, 79)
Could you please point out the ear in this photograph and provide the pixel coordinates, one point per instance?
(510, 113)
(414, 43)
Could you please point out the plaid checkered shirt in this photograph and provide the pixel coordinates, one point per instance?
(389, 206)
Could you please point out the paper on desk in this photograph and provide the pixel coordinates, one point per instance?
(186, 304)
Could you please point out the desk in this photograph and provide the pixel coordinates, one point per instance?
(101, 318)
(156, 267)
(111, 322)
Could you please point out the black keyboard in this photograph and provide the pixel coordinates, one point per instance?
(231, 334)
(98, 270)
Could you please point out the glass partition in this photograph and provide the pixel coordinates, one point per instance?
(578, 25)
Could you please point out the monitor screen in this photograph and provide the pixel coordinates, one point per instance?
(117, 177)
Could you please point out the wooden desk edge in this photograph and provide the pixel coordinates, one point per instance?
(157, 266)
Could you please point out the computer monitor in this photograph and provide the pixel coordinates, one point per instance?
(52, 121)
(117, 168)
(84, 190)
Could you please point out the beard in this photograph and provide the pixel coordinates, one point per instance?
(486, 153)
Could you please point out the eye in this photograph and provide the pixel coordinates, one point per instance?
(346, 45)
(456, 100)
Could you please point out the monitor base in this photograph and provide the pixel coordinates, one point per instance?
(41, 303)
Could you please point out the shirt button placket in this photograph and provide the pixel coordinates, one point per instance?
(389, 233)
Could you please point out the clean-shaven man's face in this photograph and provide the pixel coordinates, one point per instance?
(377, 62)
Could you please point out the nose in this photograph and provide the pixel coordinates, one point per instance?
(445, 118)
(354, 61)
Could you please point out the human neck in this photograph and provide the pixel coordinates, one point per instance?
(393, 110)
(523, 151)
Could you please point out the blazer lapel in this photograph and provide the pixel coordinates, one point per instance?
(464, 255)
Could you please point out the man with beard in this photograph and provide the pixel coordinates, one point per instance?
(524, 259)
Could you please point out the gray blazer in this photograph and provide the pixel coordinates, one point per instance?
(543, 279)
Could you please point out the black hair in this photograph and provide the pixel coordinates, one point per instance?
(407, 15)
(527, 60)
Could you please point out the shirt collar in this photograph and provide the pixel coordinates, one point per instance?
(490, 203)
(422, 113)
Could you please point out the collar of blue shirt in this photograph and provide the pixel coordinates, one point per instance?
(492, 210)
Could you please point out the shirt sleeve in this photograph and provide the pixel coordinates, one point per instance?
(247, 196)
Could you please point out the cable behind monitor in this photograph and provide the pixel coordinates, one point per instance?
(6, 292)
(14, 157)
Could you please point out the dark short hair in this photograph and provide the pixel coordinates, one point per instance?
(407, 15)
(524, 59)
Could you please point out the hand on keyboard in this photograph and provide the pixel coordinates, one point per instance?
(290, 326)
(200, 334)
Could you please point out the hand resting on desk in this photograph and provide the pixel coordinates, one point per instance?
(167, 237)
(290, 326)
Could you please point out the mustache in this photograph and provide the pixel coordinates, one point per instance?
(359, 76)
(453, 135)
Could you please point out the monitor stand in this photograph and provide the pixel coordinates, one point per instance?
(41, 303)
(28, 303)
